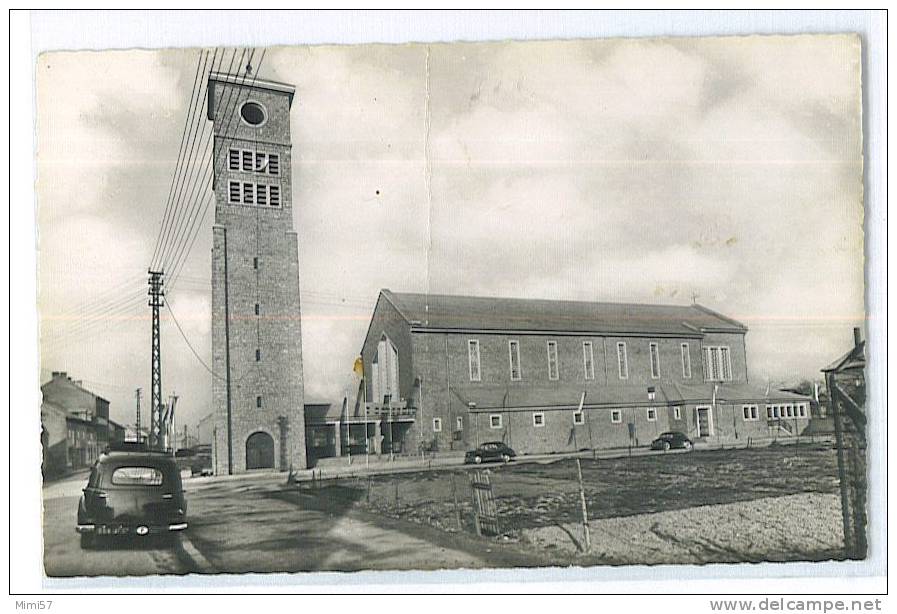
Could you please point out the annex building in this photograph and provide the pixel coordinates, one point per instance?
(446, 373)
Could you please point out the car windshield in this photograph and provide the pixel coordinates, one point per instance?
(136, 476)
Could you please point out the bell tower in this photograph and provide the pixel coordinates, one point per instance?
(256, 327)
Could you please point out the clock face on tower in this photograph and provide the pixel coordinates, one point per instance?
(253, 113)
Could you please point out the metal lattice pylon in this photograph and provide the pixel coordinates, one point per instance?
(157, 297)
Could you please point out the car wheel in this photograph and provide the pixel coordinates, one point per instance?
(88, 541)
(666, 446)
(506, 458)
(478, 459)
(687, 445)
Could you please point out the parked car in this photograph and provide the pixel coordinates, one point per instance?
(672, 440)
(490, 451)
(131, 492)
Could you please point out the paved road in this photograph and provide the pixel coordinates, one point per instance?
(63, 556)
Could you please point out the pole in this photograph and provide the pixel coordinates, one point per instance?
(367, 439)
(230, 433)
(157, 298)
(585, 510)
(842, 473)
(137, 394)
(455, 500)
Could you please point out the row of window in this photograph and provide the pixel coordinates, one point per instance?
(246, 193)
(798, 410)
(251, 161)
(717, 361)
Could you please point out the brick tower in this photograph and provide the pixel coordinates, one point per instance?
(256, 330)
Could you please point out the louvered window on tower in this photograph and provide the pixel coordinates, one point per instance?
(261, 162)
(273, 164)
(234, 192)
(261, 194)
(274, 195)
(248, 190)
(247, 160)
(234, 159)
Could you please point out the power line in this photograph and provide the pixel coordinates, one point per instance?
(190, 345)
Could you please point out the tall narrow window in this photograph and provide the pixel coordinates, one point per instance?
(233, 159)
(258, 355)
(459, 423)
(274, 196)
(437, 425)
(257, 309)
(255, 262)
(552, 360)
(725, 363)
(514, 358)
(588, 360)
(473, 359)
(654, 353)
(248, 190)
(234, 191)
(261, 162)
(622, 361)
(247, 160)
(258, 401)
(261, 194)
(273, 164)
(686, 361)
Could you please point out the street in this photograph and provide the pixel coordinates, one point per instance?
(63, 556)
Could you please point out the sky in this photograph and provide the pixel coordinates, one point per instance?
(722, 170)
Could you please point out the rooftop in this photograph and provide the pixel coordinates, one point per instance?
(442, 311)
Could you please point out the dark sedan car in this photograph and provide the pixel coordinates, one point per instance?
(132, 493)
(670, 441)
(490, 451)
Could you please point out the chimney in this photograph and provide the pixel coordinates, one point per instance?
(857, 336)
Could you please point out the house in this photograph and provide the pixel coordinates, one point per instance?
(83, 444)
(445, 372)
(62, 391)
(54, 440)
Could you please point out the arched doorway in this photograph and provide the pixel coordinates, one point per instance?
(260, 451)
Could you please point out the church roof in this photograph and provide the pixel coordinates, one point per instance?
(442, 311)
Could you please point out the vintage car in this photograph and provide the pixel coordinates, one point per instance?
(671, 440)
(131, 492)
(490, 451)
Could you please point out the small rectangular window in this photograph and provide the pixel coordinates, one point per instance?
(755, 412)
(588, 360)
(514, 358)
(495, 421)
(579, 417)
(233, 159)
(726, 364)
(273, 164)
(257, 309)
(274, 196)
(622, 361)
(437, 425)
(616, 416)
(248, 193)
(261, 194)
(802, 410)
(234, 192)
(538, 418)
(769, 412)
(137, 476)
(258, 401)
(677, 413)
(552, 360)
(746, 412)
(459, 423)
(654, 354)
(261, 162)
(652, 414)
(247, 160)
(258, 355)
(255, 263)
(686, 361)
(473, 360)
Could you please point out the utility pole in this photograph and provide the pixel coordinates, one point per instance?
(137, 394)
(157, 297)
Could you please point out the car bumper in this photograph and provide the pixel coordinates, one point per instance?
(136, 529)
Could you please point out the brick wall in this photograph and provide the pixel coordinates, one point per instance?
(258, 248)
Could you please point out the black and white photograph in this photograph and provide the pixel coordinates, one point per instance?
(594, 303)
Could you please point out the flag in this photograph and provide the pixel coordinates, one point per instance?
(358, 367)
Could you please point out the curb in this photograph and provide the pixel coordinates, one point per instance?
(192, 557)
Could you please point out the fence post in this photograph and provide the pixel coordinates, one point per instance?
(585, 511)
(370, 484)
(396, 483)
(455, 501)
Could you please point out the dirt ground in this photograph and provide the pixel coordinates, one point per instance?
(540, 503)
